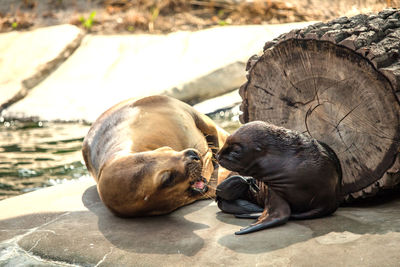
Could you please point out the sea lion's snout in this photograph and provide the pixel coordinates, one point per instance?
(218, 156)
(194, 168)
(192, 155)
(193, 161)
(230, 157)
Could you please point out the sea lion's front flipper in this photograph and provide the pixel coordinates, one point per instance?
(263, 222)
(234, 187)
(249, 215)
(276, 212)
(239, 206)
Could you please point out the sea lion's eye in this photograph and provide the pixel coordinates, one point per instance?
(167, 179)
(235, 150)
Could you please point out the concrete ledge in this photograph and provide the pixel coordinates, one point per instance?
(68, 224)
(28, 57)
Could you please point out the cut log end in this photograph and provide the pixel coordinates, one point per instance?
(336, 95)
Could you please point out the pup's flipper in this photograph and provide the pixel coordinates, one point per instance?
(263, 222)
(276, 212)
(239, 206)
(260, 226)
(249, 215)
(235, 187)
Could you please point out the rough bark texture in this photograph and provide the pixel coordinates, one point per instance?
(340, 83)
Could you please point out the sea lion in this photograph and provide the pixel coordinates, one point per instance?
(295, 176)
(152, 156)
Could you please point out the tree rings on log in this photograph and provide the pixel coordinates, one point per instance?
(325, 82)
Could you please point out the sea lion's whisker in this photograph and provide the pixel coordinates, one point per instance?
(208, 195)
(212, 187)
(205, 153)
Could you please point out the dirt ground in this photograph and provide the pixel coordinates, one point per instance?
(163, 16)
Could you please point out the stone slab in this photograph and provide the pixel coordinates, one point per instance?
(213, 84)
(225, 101)
(26, 57)
(107, 69)
(69, 225)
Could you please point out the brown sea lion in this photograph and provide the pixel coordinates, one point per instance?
(152, 156)
(295, 176)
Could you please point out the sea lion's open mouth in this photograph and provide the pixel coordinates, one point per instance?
(199, 185)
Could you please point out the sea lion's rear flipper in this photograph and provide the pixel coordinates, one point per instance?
(276, 212)
(239, 206)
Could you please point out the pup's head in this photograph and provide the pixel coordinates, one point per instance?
(246, 148)
(241, 147)
(153, 182)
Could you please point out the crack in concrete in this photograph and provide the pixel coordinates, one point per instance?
(11, 250)
(35, 245)
(45, 230)
(13, 230)
(105, 257)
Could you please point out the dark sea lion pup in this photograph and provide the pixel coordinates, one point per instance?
(295, 176)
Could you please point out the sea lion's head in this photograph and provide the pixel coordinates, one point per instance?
(251, 142)
(152, 182)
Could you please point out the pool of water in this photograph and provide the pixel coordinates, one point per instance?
(38, 154)
(34, 155)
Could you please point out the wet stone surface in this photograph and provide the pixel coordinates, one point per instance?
(69, 225)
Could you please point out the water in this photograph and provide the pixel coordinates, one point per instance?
(34, 155)
(38, 154)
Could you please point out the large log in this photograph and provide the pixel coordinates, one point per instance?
(338, 82)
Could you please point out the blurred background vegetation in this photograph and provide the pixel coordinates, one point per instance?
(163, 16)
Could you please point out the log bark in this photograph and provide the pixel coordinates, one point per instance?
(338, 82)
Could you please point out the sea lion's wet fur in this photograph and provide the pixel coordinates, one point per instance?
(152, 156)
(303, 176)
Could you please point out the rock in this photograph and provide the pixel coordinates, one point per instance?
(211, 85)
(222, 102)
(28, 57)
(68, 224)
(224, 110)
(108, 69)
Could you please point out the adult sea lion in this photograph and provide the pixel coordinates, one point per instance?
(295, 176)
(152, 156)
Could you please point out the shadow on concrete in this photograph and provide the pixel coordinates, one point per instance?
(166, 234)
(15, 226)
(380, 218)
(84, 236)
(384, 196)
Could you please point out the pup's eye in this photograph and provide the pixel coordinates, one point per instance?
(167, 179)
(235, 150)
